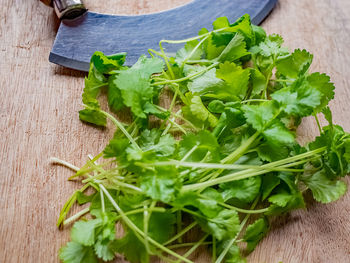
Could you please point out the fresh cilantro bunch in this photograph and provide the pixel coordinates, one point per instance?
(222, 159)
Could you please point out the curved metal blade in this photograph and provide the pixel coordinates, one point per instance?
(77, 40)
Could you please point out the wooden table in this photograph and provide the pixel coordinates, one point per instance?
(38, 119)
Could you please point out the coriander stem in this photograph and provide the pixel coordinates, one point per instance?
(254, 100)
(102, 202)
(120, 126)
(55, 160)
(188, 244)
(318, 123)
(193, 38)
(137, 230)
(179, 224)
(234, 156)
(232, 241)
(250, 172)
(180, 234)
(213, 258)
(193, 51)
(196, 245)
(241, 210)
(76, 216)
(166, 60)
(187, 77)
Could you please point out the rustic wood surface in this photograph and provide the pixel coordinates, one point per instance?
(38, 119)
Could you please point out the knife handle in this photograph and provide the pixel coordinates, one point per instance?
(67, 9)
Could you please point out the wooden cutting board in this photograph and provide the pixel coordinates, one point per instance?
(38, 119)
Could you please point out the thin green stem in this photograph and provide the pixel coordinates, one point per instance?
(76, 216)
(166, 60)
(181, 233)
(179, 224)
(250, 172)
(213, 258)
(102, 202)
(196, 245)
(318, 123)
(133, 227)
(254, 100)
(120, 126)
(192, 38)
(187, 77)
(188, 244)
(193, 51)
(232, 241)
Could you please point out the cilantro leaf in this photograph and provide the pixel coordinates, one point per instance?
(203, 143)
(105, 64)
(83, 232)
(294, 65)
(134, 83)
(323, 189)
(260, 116)
(185, 52)
(300, 99)
(162, 184)
(75, 252)
(224, 226)
(245, 190)
(234, 50)
(197, 113)
(132, 248)
(255, 232)
(235, 77)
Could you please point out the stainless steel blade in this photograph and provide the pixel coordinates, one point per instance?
(77, 40)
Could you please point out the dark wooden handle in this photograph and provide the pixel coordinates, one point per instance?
(47, 2)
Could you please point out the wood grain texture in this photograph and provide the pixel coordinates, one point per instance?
(38, 119)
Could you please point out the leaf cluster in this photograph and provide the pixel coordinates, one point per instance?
(227, 152)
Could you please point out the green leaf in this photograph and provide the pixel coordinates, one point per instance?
(283, 202)
(260, 116)
(93, 116)
(294, 65)
(323, 189)
(245, 190)
(258, 82)
(161, 226)
(93, 84)
(278, 133)
(134, 83)
(322, 83)
(83, 198)
(83, 232)
(162, 184)
(185, 52)
(235, 77)
(116, 147)
(234, 50)
(205, 83)
(272, 46)
(132, 248)
(224, 226)
(74, 252)
(105, 64)
(300, 99)
(255, 232)
(114, 95)
(104, 249)
(205, 145)
(259, 33)
(197, 113)
(233, 255)
(269, 182)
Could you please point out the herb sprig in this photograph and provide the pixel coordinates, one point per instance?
(223, 151)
